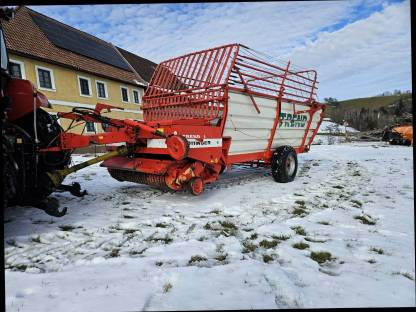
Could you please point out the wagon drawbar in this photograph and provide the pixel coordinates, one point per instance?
(218, 107)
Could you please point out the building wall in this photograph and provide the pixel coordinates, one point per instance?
(67, 92)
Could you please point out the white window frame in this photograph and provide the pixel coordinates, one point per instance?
(95, 128)
(55, 114)
(52, 78)
(22, 67)
(105, 89)
(89, 85)
(121, 94)
(132, 96)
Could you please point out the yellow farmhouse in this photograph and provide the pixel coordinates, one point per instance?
(75, 69)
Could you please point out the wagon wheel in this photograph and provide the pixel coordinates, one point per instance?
(284, 164)
(196, 186)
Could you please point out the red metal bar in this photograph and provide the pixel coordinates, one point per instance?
(246, 89)
(210, 69)
(217, 66)
(274, 66)
(191, 58)
(277, 117)
(268, 72)
(197, 65)
(218, 81)
(205, 67)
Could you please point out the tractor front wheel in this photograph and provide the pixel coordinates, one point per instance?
(284, 164)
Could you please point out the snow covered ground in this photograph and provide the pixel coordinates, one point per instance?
(237, 246)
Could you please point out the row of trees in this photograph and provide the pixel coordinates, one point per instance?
(395, 92)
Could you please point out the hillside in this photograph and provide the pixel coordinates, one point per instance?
(373, 112)
(374, 102)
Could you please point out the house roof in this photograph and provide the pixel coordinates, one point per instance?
(35, 35)
(142, 66)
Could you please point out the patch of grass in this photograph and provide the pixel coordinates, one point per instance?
(267, 258)
(254, 236)
(365, 219)
(248, 247)
(137, 252)
(197, 258)
(161, 225)
(167, 287)
(269, 244)
(165, 239)
(405, 274)
(321, 256)
(324, 223)
(314, 240)
(128, 216)
(300, 202)
(299, 230)
(300, 245)
(228, 225)
(21, 267)
(298, 211)
(377, 250)
(114, 253)
(36, 239)
(247, 230)
(221, 257)
(281, 237)
(225, 228)
(67, 227)
(357, 203)
(130, 231)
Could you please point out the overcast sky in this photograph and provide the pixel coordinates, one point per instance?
(359, 48)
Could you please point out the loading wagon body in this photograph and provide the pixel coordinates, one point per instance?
(218, 107)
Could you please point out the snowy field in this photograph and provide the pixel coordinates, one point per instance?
(246, 243)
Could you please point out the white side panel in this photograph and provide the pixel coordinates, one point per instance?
(250, 130)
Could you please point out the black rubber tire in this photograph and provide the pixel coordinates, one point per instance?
(9, 180)
(282, 166)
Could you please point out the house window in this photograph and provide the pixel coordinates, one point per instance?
(84, 86)
(17, 69)
(90, 126)
(136, 97)
(124, 94)
(101, 90)
(45, 78)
